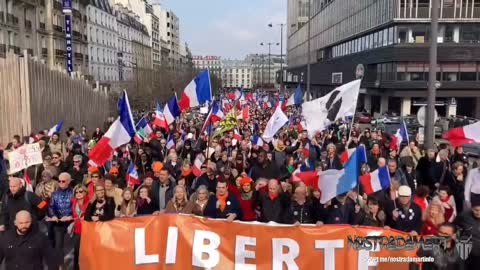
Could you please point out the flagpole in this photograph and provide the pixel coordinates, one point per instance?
(209, 137)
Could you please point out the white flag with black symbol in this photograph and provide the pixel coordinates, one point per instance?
(338, 104)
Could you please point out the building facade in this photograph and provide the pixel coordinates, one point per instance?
(213, 63)
(236, 74)
(38, 26)
(387, 43)
(103, 41)
(153, 27)
(170, 33)
(265, 69)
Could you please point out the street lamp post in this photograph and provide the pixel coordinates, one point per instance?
(281, 53)
(269, 57)
(308, 49)
(432, 77)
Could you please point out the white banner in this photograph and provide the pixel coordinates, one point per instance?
(24, 157)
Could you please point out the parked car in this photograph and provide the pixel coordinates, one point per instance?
(363, 118)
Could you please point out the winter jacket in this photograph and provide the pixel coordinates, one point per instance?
(203, 179)
(61, 203)
(341, 214)
(275, 209)
(174, 170)
(248, 208)
(29, 251)
(108, 210)
(268, 171)
(233, 206)
(409, 219)
(156, 192)
(22, 200)
(457, 188)
(304, 213)
(280, 157)
(334, 163)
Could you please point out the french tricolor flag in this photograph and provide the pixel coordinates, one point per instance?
(132, 176)
(170, 143)
(171, 110)
(119, 133)
(159, 119)
(197, 92)
(56, 128)
(345, 155)
(197, 165)
(463, 135)
(216, 114)
(375, 181)
(362, 154)
(257, 140)
(401, 135)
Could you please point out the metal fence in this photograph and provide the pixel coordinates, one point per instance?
(34, 98)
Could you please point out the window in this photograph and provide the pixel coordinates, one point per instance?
(450, 72)
(416, 71)
(402, 34)
(449, 29)
(469, 33)
(419, 33)
(468, 72)
(385, 37)
(391, 35)
(375, 40)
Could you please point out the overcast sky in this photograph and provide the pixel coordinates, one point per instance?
(229, 28)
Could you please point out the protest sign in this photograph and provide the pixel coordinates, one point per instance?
(186, 242)
(24, 157)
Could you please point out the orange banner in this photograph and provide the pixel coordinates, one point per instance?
(186, 242)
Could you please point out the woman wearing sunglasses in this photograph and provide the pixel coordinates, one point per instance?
(79, 207)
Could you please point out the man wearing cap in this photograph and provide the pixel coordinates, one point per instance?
(403, 214)
(469, 225)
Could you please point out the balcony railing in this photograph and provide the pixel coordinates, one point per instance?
(76, 13)
(78, 55)
(76, 35)
(42, 26)
(31, 2)
(28, 25)
(44, 51)
(15, 49)
(11, 19)
(57, 5)
(58, 28)
(59, 52)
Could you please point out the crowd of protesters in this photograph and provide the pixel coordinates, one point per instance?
(432, 191)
